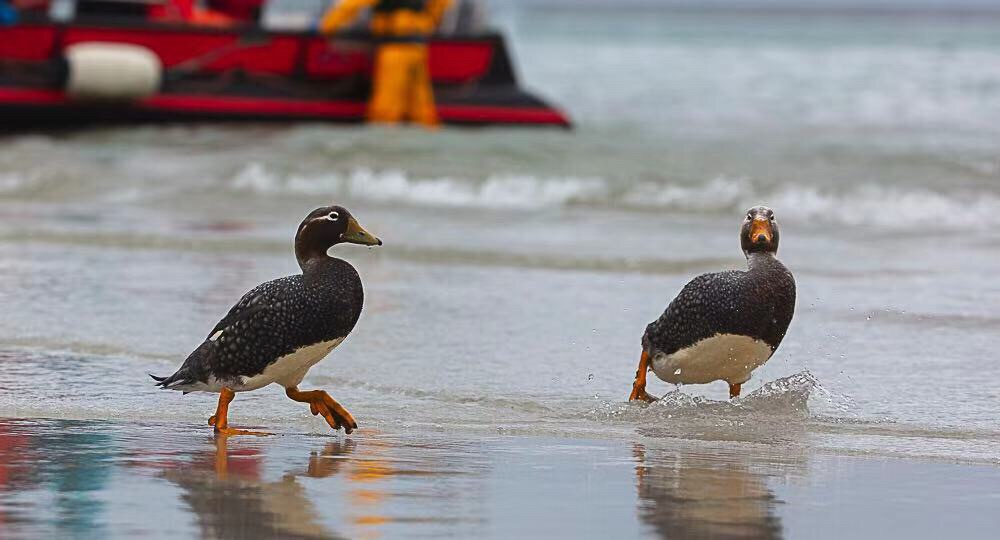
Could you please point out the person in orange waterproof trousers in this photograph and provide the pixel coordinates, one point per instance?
(401, 88)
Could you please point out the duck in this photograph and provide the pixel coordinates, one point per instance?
(280, 329)
(723, 325)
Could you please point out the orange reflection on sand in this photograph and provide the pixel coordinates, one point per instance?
(365, 497)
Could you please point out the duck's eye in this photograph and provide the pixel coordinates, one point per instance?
(333, 216)
(749, 217)
(771, 217)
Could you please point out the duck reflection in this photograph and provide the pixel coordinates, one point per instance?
(76, 479)
(226, 490)
(692, 495)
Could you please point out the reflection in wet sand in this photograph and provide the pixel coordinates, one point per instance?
(69, 478)
(16, 473)
(365, 495)
(224, 487)
(74, 465)
(228, 485)
(696, 495)
(92, 479)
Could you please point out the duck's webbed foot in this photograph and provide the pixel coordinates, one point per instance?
(321, 403)
(220, 420)
(640, 394)
(639, 386)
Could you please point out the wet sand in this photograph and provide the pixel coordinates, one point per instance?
(106, 479)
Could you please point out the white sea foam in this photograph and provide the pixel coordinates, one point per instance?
(11, 182)
(865, 204)
(861, 204)
(396, 186)
(889, 206)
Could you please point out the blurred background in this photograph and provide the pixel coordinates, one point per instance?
(521, 266)
(886, 107)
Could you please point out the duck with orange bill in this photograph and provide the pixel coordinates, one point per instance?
(282, 328)
(724, 325)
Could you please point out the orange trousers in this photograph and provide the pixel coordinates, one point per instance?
(402, 88)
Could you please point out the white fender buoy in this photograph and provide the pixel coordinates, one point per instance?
(112, 71)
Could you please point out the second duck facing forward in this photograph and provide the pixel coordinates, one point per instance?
(723, 325)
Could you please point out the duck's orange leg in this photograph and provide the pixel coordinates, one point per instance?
(639, 386)
(734, 390)
(321, 403)
(220, 420)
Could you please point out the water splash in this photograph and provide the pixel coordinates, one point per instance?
(787, 394)
(787, 397)
(779, 412)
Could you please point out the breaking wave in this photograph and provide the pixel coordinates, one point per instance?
(865, 204)
(503, 191)
(889, 206)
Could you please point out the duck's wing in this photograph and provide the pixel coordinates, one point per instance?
(210, 359)
(252, 302)
(704, 307)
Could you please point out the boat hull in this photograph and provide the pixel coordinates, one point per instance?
(245, 74)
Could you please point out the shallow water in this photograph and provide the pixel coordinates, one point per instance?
(526, 336)
(110, 479)
(502, 322)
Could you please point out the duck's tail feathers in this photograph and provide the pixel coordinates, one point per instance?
(174, 382)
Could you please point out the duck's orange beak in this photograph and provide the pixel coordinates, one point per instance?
(356, 234)
(760, 231)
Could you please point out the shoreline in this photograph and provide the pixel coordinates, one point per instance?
(396, 484)
(653, 436)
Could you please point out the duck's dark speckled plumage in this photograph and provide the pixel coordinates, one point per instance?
(273, 320)
(756, 303)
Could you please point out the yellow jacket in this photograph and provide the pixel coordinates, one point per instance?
(395, 23)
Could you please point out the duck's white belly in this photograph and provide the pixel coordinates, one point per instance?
(724, 357)
(289, 370)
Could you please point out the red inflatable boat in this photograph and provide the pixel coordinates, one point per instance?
(78, 62)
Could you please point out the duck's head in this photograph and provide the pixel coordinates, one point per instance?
(326, 227)
(759, 232)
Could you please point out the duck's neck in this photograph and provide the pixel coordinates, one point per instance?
(313, 265)
(761, 260)
(310, 256)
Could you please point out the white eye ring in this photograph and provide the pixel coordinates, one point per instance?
(772, 217)
(333, 216)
